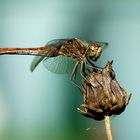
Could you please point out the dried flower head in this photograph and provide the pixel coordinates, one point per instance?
(103, 96)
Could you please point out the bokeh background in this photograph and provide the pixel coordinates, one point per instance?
(42, 105)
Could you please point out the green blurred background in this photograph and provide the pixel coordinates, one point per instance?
(42, 105)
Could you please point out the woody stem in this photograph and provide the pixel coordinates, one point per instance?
(108, 128)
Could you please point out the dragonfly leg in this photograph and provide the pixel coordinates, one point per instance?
(86, 69)
(82, 71)
(73, 77)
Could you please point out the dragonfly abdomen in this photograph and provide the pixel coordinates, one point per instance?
(19, 51)
(26, 51)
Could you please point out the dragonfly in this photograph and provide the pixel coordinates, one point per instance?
(63, 55)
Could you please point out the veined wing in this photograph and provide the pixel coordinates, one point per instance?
(59, 64)
(104, 45)
(58, 42)
(53, 43)
(36, 61)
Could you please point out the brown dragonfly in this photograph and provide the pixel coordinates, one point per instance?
(63, 55)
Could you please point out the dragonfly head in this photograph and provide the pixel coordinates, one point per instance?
(94, 51)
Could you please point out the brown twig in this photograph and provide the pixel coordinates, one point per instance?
(108, 128)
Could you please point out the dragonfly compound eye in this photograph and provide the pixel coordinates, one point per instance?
(94, 52)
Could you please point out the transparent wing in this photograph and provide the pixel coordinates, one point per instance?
(104, 45)
(36, 61)
(59, 64)
(53, 43)
(57, 42)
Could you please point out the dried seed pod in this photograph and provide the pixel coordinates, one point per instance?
(103, 96)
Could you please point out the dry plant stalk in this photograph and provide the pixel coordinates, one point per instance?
(108, 128)
(103, 96)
